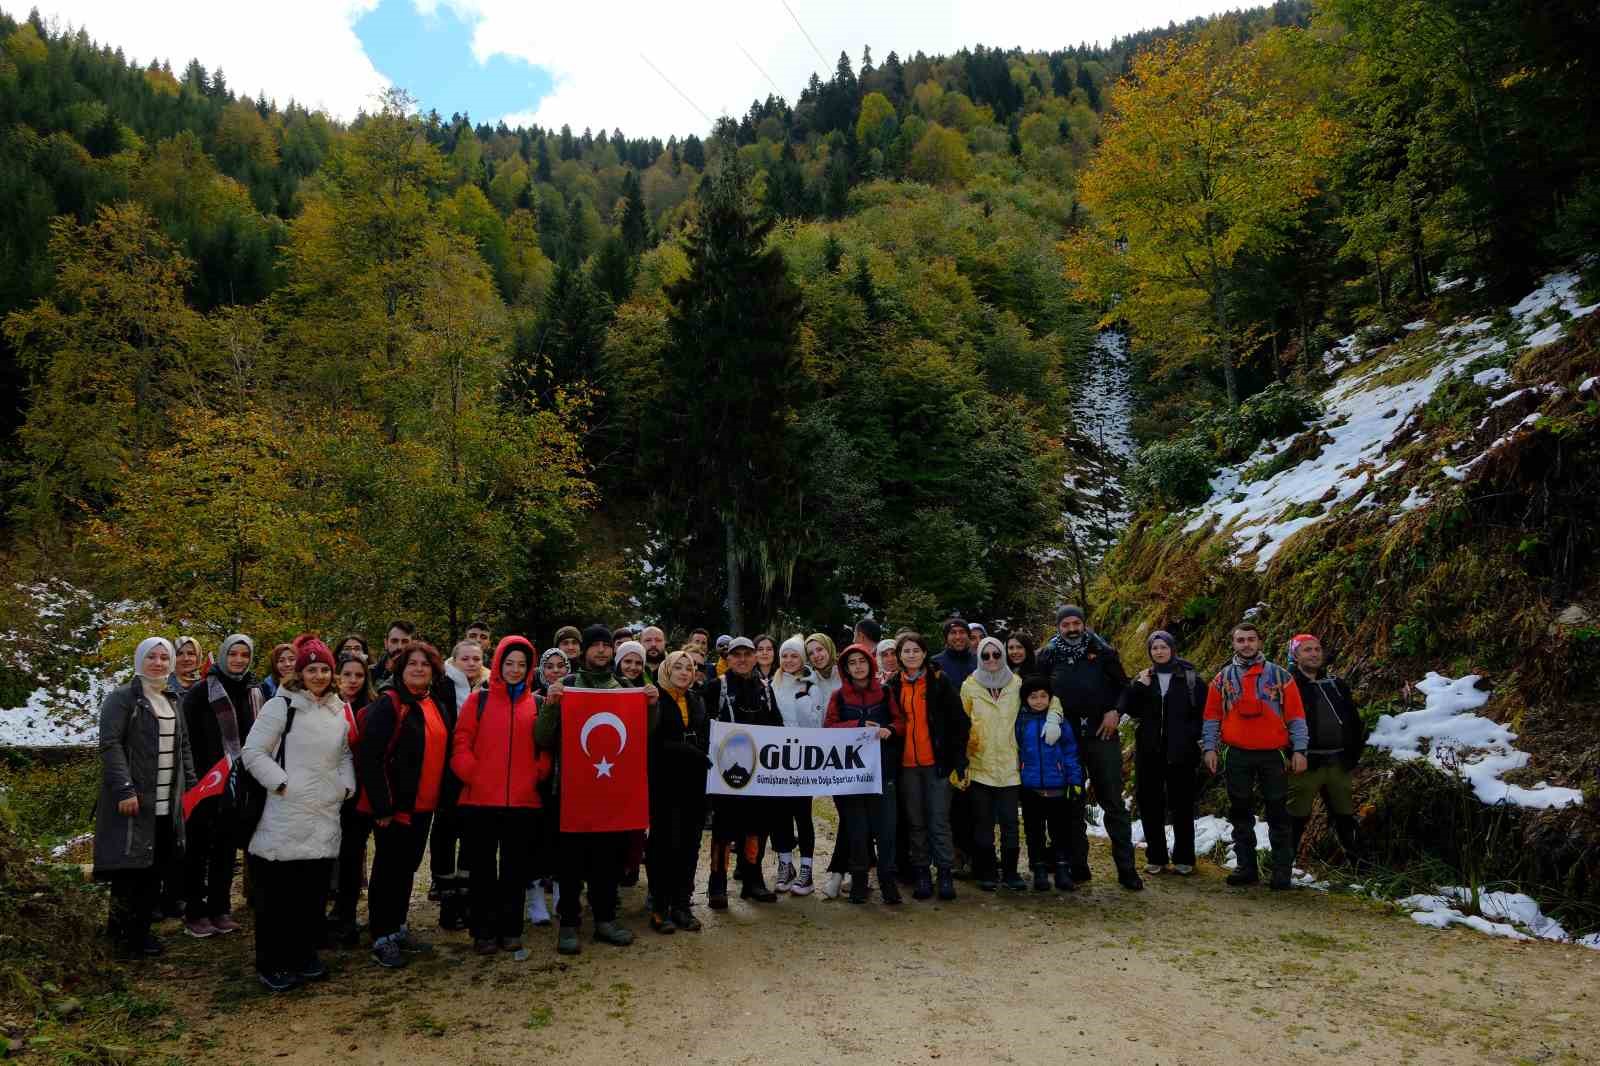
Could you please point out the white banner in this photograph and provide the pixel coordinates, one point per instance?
(762, 760)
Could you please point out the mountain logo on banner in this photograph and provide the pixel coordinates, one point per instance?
(736, 759)
(603, 768)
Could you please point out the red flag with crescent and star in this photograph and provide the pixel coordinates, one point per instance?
(212, 784)
(604, 760)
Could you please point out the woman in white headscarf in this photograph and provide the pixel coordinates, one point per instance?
(800, 699)
(991, 696)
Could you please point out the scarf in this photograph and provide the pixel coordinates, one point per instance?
(1070, 649)
(993, 680)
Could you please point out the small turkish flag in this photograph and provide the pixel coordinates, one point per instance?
(210, 785)
(604, 742)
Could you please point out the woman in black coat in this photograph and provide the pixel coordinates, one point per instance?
(679, 743)
(1168, 700)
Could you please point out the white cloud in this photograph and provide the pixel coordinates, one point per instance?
(308, 49)
(305, 49)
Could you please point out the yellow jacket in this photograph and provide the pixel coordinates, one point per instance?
(992, 749)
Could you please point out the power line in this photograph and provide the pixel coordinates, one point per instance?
(759, 67)
(677, 90)
(820, 57)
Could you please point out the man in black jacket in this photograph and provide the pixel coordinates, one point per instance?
(741, 695)
(1086, 675)
(1338, 737)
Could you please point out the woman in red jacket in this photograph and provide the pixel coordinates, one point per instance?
(494, 756)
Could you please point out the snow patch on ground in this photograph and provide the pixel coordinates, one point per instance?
(1519, 916)
(1363, 417)
(1453, 738)
(65, 709)
(1101, 425)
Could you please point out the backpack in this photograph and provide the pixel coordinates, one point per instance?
(249, 796)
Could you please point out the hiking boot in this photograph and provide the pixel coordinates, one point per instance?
(1243, 876)
(684, 919)
(313, 970)
(832, 885)
(1130, 879)
(755, 887)
(1041, 878)
(1081, 874)
(802, 884)
(567, 941)
(612, 933)
(224, 924)
(453, 911)
(662, 923)
(858, 887)
(947, 884)
(889, 887)
(924, 888)
(1282, 880)
(786, 875)
(386, 953)
(1014, 880)
(200, 928)
(1064, 882)
(717, 892)
(277, 981)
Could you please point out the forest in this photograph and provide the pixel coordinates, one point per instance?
(265, 370)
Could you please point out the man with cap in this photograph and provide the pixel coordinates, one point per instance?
(570, 641)
(1338, 736)
(976, 631)
(219, 712)
(1086, 675)
(723, 643)
(1168, 700)
(743, 696)
(595, 859)
(958, 660)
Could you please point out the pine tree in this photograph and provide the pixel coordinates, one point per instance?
(542, 167)
(635, 227)
(614, 268)
(694, 152)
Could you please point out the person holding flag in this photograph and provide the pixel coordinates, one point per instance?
(602, 801)
(299, 750)
(219, 712)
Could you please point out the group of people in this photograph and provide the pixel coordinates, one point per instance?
(459, 759)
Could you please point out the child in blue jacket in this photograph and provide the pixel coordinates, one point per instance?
(1052, 784)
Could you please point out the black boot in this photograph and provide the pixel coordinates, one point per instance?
(924, 889)
(1014, 880)
(985, 872)
(717, 884)
(947, 884)
(1244, 875)
(453, 909)
(1282, 878)
(1129, 879)
(858, 886)
(755, 886)
(888, 885)
(1080, 873)
(1064, 882)
(1041, 878)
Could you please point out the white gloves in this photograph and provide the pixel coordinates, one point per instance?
(1051, 732)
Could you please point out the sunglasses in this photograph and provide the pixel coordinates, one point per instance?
(990, 657)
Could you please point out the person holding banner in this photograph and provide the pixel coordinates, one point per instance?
(802, 705)
(741, 824)
(299, 750)
(678, 763)
(861, 702)
(219, 712)
(991, 696)
(937, 729)
(603, 793)
(493, 754)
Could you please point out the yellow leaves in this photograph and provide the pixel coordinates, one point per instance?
(941, 157)
(24, 46)
(875, 111)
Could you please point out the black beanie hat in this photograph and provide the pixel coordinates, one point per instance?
(592, 635)
(1069, 610)
(1034, 684)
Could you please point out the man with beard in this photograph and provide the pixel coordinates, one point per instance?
(1337, 738)
(654, 640)
(394, 642)
(1086, 675)
(741, 695)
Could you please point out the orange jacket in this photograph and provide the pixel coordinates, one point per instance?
(1263, 713)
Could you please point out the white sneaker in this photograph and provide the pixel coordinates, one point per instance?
(785, 877)
(803, 884)
(1153, 869)
(1185, 871)
(831, 886)
(538, 913)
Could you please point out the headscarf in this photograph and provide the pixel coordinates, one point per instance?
(993, 680)
(827, 645)
(199, 665)
(221, 700)
(222, 654)
(663, 676)
(146, 646)
(1172, 644)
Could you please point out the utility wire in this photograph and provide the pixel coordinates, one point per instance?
(677, 90)
(762, 69)
(820, 57)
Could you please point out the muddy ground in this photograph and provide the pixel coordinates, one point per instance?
(1187, 972)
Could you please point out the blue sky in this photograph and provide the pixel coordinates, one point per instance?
(431, 56)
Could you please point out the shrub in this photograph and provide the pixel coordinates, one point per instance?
(1174, 472)
(1276, 411)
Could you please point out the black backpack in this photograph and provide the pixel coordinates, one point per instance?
(249, 796)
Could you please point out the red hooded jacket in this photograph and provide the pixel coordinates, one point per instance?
(493, 752)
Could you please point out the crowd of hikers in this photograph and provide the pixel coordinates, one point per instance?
(458, 759)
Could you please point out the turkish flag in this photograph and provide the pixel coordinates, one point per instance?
(604, 757)
(212, 784)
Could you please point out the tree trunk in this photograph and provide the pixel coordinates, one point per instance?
(735, 600)
(1220, 314)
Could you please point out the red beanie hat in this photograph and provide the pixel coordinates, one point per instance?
(313, 651)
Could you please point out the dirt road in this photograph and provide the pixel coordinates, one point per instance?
(1186, 972)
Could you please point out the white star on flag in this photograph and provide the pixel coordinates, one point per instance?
(602, 768)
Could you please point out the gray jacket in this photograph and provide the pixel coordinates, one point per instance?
(130, 750)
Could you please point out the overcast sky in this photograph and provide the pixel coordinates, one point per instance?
(585, 63)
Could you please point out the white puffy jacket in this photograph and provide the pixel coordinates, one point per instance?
(302, 822)
(802, 699)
